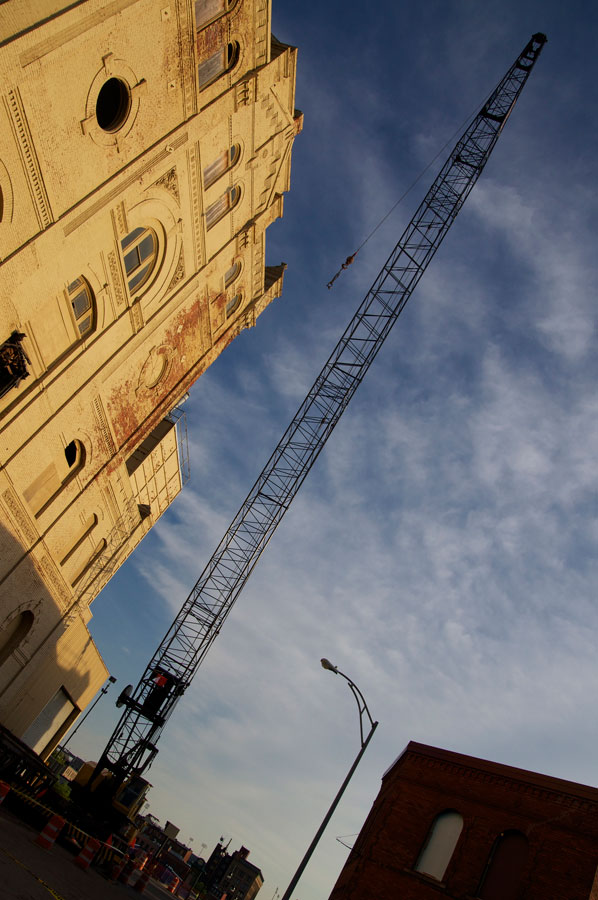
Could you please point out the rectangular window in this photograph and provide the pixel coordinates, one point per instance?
(205, 10)
(213, 172)
(212, 67)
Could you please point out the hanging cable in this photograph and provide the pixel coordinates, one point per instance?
(350, 259)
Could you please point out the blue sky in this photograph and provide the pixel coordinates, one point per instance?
(442, 551)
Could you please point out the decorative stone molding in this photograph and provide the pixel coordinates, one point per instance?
(21, 521)
(116, 276)
(193, 164)
(103, 426)
(179, 272)
(119, 218)
(29, 159)
(136, 314)
(51, 576)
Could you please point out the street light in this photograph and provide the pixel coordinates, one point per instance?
(363, 711)
(111, 680)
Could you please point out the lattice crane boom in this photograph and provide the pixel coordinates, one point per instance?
(131, 747)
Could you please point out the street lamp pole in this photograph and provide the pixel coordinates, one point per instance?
(363, 711)
(111, 680)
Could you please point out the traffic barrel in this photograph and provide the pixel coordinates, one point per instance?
(87, 854)
(48, 835)
(127, 871)
(141, 883)
(117, 867)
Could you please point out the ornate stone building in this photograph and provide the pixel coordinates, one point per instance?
(145, 146)
(450, 825)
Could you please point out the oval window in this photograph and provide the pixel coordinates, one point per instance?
(113, 104)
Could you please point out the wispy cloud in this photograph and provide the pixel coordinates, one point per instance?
(442, 551)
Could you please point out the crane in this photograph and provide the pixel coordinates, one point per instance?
(132, 747)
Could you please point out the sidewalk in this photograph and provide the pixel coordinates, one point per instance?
(28, 872)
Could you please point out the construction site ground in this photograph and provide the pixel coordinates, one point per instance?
(28, 872)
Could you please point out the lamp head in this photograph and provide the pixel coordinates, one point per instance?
(326, 664)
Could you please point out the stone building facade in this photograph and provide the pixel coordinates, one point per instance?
(450, 825)
(145, 147)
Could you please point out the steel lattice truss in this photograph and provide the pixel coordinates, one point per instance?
(132, 745)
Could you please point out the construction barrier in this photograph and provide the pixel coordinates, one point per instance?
(141, 883)
(117, 867)
(87, 854)
(127, 871)
(48, 835)
(4, 789)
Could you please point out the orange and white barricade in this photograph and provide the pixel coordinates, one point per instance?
(48, 835)
(127, 871)
(87, 854)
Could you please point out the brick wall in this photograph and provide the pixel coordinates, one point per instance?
(558, 818)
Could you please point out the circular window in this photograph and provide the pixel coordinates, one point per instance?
(113, 104)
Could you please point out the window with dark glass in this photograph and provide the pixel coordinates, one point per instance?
(113, 104)
(220, 207)
(140, 250)
(232, 274)
(233, 305)
(505, 868)
(222, 164)
(82, 304)
(206, 10)
(223, 60)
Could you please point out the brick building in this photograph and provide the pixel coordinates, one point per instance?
(230, 876)
(450, 825)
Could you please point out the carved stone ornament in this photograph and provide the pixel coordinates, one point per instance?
(179, 272)
(170, 182)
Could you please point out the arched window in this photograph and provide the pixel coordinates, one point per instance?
(233, 305)
(220, 207)
(140, 252)
(221, 165)
(88, 563)
(440, 844)
(13, 634)
(505, 867)
(79, 537)
(49, 481)
(81, 298)
(232, 274)
(74, 453)
(223, 60)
